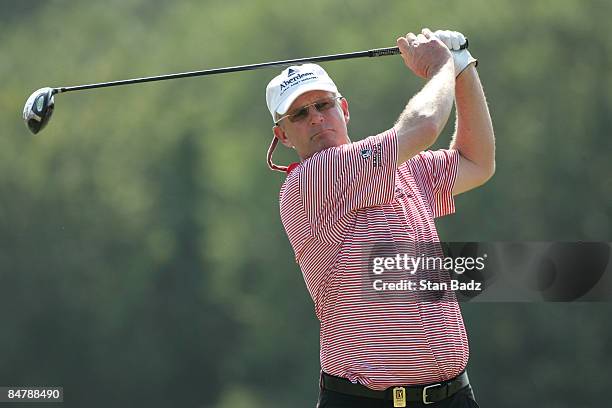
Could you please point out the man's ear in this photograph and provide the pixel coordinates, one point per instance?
(345, 110)
(282, 136)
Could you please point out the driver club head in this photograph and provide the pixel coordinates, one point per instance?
(38, 109)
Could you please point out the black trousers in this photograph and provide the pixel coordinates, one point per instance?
(464, 398)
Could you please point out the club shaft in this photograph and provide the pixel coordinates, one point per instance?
(359, 54)
(377, 52)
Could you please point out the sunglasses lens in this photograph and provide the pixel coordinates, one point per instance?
(300, 115)
(321, 106)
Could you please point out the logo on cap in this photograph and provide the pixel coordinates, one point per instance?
(290, 72)
(297, 79)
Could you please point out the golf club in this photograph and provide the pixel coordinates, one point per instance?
(39, 106)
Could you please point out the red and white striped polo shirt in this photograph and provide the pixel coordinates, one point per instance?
(344, 199)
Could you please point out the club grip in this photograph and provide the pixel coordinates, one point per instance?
(381, 52)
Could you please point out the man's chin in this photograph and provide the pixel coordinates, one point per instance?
(324, 143)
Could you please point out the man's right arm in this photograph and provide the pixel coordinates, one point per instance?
(427, 112)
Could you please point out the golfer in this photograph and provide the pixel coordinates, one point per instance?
(343, 196)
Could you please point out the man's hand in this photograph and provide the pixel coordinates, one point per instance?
(453, 41)
(424, 53)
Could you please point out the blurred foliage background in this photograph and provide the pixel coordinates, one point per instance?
(142, 258)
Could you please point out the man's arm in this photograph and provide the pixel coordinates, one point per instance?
(473, 138)
(427, 112)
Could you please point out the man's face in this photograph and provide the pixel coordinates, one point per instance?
(318, 130)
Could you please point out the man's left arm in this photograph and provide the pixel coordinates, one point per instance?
(473, 138)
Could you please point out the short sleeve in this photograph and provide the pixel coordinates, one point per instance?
(435, 173)
(342, 179)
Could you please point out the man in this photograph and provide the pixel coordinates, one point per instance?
(343, 197)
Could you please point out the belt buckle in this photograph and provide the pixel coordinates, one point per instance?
(425, 393)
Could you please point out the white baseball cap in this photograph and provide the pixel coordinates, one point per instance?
(293, 82)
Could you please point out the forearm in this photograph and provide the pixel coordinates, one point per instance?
(426, 114)
(474, 137)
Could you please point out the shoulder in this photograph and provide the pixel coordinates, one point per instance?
(369, 150)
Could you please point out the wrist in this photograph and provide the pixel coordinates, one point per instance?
(462, 59)
(447, 66)
(470, 70)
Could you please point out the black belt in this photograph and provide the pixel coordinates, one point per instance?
(426, 394)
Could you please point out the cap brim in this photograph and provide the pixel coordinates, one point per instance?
(284, 106)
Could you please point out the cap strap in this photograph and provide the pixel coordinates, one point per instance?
(271, 165)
